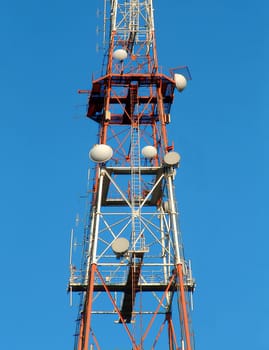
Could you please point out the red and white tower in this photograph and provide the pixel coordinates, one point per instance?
(134, 280)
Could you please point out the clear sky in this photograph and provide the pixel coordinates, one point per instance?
(219, 126)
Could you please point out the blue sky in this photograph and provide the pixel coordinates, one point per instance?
(219, 125)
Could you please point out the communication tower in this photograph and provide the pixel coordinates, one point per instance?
(134, 281)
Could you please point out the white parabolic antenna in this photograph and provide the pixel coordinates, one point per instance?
(149, 152)
(171, 158)
(120, 54)
(100, 153)
(120, 246)
(181, 82)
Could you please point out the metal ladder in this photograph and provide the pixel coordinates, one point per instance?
(136, 194)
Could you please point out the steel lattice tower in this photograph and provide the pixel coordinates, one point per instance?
(134, 280)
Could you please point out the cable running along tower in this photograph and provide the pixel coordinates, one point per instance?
(134, 282)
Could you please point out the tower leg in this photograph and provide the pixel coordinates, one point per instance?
(179, 259)
(88, 310)
(170, 332)
(183, 307)
(81, 331)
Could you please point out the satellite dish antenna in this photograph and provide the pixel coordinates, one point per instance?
(100, 153)
(171, 158)
(120, 246)
(120, 54)
(180, 81)
(149, 152)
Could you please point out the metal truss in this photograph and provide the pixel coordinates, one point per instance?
(137, 291)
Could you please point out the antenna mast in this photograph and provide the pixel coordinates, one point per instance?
(133, 273)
